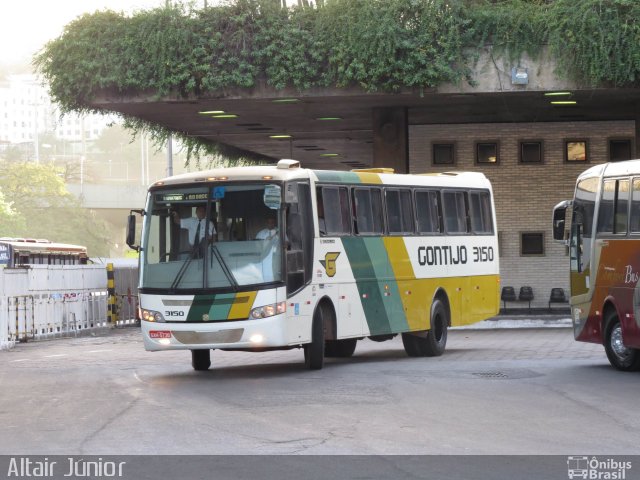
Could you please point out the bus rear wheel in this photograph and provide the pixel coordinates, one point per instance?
(314, 351)
(620, 356)
(433, 342)
(340, 348)
(201, 359)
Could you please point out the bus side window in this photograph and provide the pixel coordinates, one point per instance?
(622, 206)
(612, 217)
(634, 223)
(455, 213)
(480, 210)
(427, 211)
(368, 207)
(335, 207)
(399, 211)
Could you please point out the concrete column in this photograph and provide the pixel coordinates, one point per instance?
(391, 138)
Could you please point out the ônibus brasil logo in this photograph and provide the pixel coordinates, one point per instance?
(597, 469)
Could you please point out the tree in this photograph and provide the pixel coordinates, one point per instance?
(39, 206)
(10, 221)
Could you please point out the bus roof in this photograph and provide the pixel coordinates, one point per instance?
(612, 169)
(290, 170)
(41, 245)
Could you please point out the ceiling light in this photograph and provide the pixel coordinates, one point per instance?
(286, 100)
(212, 112)
(279, 137)
(557, 94)
(328, 119)
(564, 102)
(226, 115)
(329, 154)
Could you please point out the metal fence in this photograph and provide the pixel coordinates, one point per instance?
(44, 301)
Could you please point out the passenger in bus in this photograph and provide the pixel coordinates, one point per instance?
(269, 231)
(196, 226)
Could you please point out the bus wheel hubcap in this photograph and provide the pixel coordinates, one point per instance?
(617, 346)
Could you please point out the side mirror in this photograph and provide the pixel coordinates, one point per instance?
(559, 212)
(131, 230)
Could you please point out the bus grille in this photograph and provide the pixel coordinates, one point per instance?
(224, 336)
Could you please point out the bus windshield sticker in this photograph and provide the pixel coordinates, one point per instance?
(272, 196)
(291, 193)
(218, 193)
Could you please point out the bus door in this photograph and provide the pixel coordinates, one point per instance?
(298, 236)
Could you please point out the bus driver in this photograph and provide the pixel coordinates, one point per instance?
(195, 226)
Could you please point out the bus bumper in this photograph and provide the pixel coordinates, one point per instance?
(259, 333)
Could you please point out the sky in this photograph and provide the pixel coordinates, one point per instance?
(27, 25)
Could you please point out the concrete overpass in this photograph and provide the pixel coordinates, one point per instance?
(110, 202)
(344, 128)
(109, 197)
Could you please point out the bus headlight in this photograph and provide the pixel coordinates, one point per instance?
(269, 310)
(151, 316)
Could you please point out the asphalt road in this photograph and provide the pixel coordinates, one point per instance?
(500, 392)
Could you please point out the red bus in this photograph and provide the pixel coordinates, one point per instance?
(604, 250)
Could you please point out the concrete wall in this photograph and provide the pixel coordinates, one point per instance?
(524, 193)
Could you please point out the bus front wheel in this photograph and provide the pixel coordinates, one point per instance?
(314, 351)
(620, 356)
(201, 359)
(432, 342)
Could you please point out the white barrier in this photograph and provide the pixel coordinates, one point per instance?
(48, 300)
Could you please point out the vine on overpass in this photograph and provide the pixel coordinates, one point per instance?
(377, 45)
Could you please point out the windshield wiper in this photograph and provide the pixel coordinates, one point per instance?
(225, 268)
(183, 269)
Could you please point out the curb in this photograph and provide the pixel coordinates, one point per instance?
(515, 323)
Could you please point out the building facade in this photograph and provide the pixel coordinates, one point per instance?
(27, 113)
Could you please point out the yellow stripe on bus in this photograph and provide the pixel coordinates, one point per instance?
(366, 177)
(242, 305)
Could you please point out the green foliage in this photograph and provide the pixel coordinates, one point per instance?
(597, 41)
(512, 27)
(376, 45)
(35, 203)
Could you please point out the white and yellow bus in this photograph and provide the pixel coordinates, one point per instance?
(349, 255)
(22, 252)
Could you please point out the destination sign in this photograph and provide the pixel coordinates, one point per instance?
(180, 197)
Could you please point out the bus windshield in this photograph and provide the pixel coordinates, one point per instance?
(222, 237)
